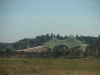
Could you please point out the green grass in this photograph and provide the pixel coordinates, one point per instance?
(37, 66)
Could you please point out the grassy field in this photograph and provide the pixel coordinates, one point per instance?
(37, 66)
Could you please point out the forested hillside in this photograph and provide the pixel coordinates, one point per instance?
(95, 46)
(39, 40)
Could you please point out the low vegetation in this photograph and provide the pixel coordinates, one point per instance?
(39, 66)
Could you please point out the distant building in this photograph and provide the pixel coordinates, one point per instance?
(83, 46)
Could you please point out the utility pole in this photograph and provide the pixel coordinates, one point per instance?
(97, 52)
(28, 44)
(88, 49)
(69, 46)
(45, 38)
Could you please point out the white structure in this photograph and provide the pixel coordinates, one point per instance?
(83, 47)
(38, 49)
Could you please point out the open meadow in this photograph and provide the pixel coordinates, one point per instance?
(39, 66)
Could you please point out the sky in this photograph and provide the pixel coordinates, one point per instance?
(21, 19)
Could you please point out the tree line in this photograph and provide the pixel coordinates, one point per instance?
(93, 50)
(40, 40)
